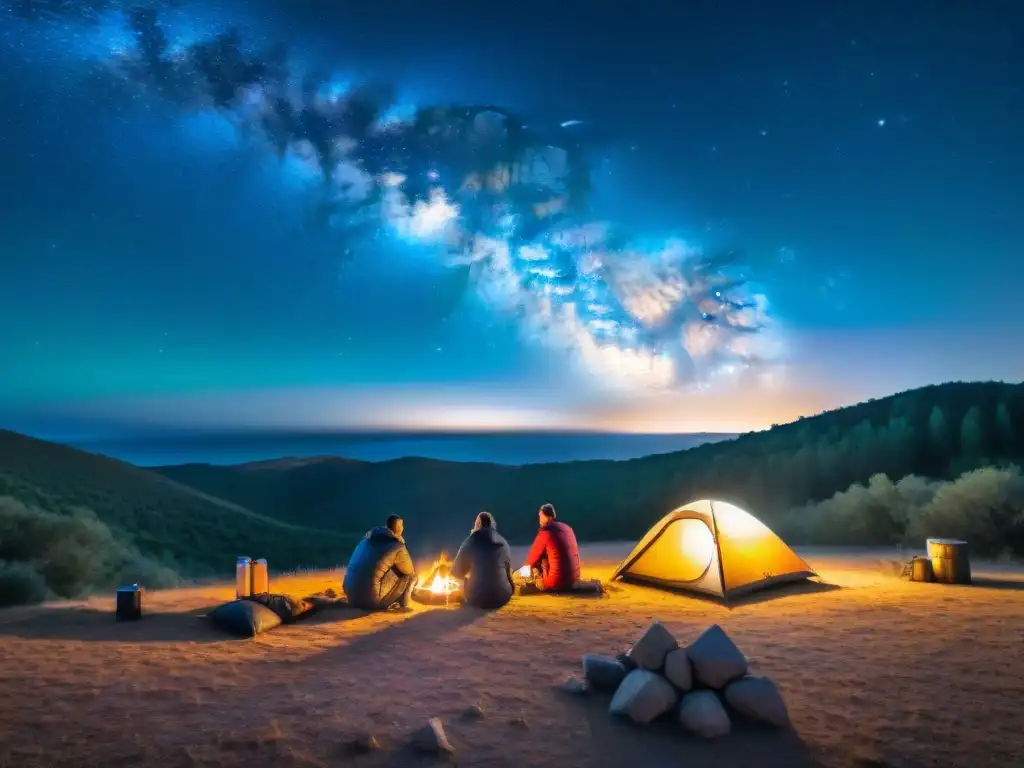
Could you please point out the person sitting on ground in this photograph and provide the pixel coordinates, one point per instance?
(484, 563)
(554, 558)
(380, 572)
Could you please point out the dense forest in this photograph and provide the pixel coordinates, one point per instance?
(937, 433)
(937, 461)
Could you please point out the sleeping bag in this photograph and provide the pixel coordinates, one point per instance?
(244, 618)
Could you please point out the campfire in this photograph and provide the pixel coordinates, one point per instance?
(438, 587)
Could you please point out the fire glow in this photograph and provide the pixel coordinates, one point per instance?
(438, 587)
(443, 585)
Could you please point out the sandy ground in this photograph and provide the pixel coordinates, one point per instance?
(876, 672)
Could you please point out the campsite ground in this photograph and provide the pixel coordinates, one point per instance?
(876, 672)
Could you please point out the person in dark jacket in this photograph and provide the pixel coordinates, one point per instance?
(380, 572)
(554, 558)
(484, 563)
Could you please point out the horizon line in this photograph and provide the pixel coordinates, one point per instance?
(175, 434)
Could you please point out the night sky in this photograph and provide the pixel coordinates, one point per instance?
(787, 206)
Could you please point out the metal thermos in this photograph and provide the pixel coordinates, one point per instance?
(260, 578)
(243, 577)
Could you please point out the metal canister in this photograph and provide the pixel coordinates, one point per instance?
(129, 603)
(243, 577)
(260, 578)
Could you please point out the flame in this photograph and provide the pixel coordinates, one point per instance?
(441, 582)
(443, 585)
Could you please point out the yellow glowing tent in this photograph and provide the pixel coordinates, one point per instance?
(714, 548)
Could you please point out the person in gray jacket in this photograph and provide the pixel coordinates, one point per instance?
(380, 572)
(484, 562)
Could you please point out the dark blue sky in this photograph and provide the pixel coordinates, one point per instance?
(158, 267)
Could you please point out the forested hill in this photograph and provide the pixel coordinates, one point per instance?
(71, 522)
(936, 432)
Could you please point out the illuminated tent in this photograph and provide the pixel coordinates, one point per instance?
(714, 548)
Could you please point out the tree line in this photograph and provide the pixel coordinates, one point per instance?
(937, 433)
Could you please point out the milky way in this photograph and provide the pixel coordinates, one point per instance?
(475, 185)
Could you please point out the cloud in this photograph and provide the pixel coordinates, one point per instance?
(472, 185)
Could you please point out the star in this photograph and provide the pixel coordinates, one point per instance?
(881, 123)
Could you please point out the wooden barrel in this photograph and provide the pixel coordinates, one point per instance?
(950, 561)
(921, 570)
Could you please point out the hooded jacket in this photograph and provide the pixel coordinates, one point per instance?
(484, 561)
(376, 566)
(557, 543)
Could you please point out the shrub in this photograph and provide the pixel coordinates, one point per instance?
(20, 583)
(982, 506)
(69, 555)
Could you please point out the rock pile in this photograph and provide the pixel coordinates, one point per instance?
(699, 685)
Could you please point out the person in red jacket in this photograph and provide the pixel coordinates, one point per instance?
(554, 558)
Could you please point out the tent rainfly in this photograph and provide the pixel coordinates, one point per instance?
(714, 548)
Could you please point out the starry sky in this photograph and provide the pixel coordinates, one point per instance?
(786, 207)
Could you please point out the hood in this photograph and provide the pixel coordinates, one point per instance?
(488, 536)
(381, 532)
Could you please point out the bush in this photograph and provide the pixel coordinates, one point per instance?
(20, 583)
(68, 555)
(982, 506)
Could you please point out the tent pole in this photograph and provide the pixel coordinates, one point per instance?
(718, 551)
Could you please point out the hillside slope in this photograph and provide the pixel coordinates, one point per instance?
(60, 503)
(938, 432)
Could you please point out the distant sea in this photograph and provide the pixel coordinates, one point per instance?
(508, 448)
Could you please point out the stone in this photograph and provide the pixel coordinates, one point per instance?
(716, 659)
(758, 699)
(574, 685)
(650, 650)
(363, 743)
(702, 713)
(432, 738)
(625, 661)
(678, 669)
(602, 673)
(475, 712)
(643, 696)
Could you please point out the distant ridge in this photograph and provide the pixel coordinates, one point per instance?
(505, 448)
(291, 462)
(916, 432)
